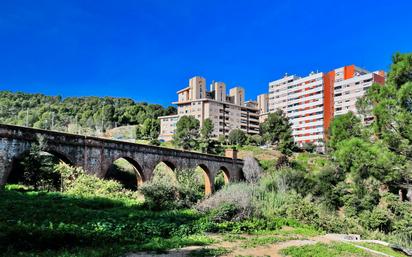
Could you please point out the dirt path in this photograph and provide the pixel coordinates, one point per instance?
(237, 247)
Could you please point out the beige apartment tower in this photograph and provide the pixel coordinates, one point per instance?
(227, 112)
(238, 95)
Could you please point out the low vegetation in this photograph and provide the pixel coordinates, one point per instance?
(326, 250)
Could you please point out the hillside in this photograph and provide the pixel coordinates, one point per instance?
(84, 115)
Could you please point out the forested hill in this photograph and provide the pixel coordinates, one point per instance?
(87, 115)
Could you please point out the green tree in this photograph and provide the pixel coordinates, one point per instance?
(276, 130)
(187, 133)
(237, 137)
(344, 127)
(255, 140)
(391, 106)
(363, 159)
(207, 128)
(150, 129)
(38, 168)
(401, 70)
(206, 143)
(87, 114)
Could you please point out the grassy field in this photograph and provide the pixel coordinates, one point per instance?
(383, 249)
(54, 224)
(326, 250)
(58, 224)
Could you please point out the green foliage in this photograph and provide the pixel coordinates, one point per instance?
(60, 224)
(383, 249)
(344, 127)
(377, 219)
(219, 181)
(325, 250)
(76, 182)
(254, 140)
(187, 133)
(36, 169)
(309, 147)
(363, 159)
(86, 115)
(206, 143)
(191, 187)
(401, 69)
(233, 202)
(164, 191)
(150, 129)
(210, 252)
(207, 128)
(276, 130)
(125, 173)
(237, 137)
(161, 192)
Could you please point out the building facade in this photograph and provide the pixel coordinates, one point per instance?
(227, 112)
(311, 102)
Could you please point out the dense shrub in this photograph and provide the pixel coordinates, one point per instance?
(76, 182)
(36, 169)
(234, 202)
(251, 169)
(377, 219)
(160, 192)
(190, 187)
(286, 179)
(164, 191)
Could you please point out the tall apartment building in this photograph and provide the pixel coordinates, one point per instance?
(311, 102)
(227, 112)
(263, 106)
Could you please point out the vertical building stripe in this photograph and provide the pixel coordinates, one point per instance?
(349, 71)
(328, 91)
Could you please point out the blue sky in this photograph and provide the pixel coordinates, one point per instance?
(147, 50)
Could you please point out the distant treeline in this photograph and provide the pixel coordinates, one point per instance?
(86, 115)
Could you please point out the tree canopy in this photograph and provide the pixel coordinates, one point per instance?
(276, 130)
(187, 133)
(237, 137)
(86, 114)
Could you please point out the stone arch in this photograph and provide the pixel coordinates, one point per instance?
(128, 180)
(14, 175)
(207, 179)
(63, 157)
(226, 173)
(225, 176)
(168, 163)
(169, 170)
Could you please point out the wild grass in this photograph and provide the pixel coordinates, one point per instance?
(325, 250)
(382, 249)
(56, 224)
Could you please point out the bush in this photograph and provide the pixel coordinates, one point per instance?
(251, 170)
(190, 187)
(237, 137)
(165, 192)
(377, 219)
(160, 192)
(234, 202)
(287, 179)
(36, 169)
(76, 182)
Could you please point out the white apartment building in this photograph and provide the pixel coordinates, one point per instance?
(311, 102)
(227, 112)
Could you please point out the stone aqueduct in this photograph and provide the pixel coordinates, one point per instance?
(95, 155)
